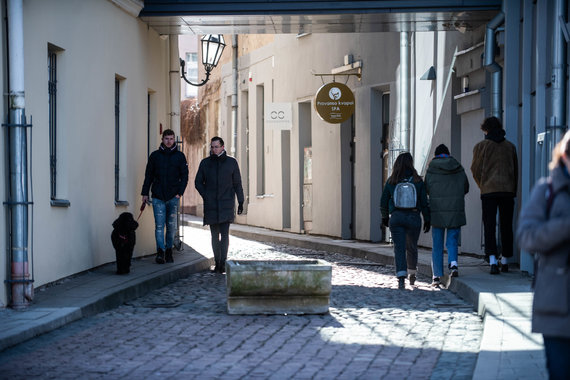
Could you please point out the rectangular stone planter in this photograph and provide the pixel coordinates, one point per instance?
(278, 287)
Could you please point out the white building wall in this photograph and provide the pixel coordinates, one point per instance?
(100, 41)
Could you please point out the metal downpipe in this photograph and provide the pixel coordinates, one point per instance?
(174, 62)
(557, 123)
(21, 285)
(233, 149)
(493, 67)
(405, 48)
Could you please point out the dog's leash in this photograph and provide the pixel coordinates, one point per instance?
(142, 209)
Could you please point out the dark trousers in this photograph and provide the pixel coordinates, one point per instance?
(405, 227)
(557, 353)
(220, 241)
(505, 206)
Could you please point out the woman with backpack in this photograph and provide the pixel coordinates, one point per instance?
(544, 229)
(403, 198)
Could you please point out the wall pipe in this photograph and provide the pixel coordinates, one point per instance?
(493, 67)
(233, 149)
(21, 285)
(405, 49)
(174, 62)
(557, 123)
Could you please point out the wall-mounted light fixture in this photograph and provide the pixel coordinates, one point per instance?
(212, 47)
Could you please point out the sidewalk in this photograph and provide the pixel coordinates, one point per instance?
(508, 349)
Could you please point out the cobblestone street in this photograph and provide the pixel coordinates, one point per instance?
(182, 331)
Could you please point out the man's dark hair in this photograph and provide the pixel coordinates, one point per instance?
(168, 132)
(441, 149)
(217, 138)
(491, 124)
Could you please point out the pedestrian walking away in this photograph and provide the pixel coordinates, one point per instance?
(544, 229)
(495, 170)
(166, 175)
(218, 181)
(446, 186)
(403, 198)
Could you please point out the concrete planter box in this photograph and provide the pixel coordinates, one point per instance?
(278, 287)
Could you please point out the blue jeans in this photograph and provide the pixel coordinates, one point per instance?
(405, 227)
(165, 215)
(437, 250)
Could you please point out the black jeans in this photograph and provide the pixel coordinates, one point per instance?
(220, 241)
(505, 205)
(557, 362)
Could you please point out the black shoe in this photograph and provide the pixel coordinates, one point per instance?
(160, 257)
(401, 283)
(169, 258)
(436, 282)
(412, 279)
(494, 269)
(454, 272)
(216, 268)
(504, 268)
(222, 268)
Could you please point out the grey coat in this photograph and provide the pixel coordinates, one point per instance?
(219, 182)
(549, 237)
(446, 185)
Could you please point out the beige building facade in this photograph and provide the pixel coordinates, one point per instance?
(112, 99)
(311, 176)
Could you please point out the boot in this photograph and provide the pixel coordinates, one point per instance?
(160, 256)
(169, 258)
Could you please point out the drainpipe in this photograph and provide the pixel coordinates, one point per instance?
(174, 84)
(557, 123)
(21, 285)
(493, 67)
(233, 149)
(405, 73)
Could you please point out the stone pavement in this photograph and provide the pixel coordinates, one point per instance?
(507, 349)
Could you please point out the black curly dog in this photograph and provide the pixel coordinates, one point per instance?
(123, 238)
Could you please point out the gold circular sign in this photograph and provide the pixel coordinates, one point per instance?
(334, 102)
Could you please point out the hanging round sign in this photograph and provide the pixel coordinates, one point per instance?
(334, 102)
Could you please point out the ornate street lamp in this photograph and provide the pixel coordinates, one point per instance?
(212, 47)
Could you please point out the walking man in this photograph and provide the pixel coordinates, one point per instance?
(219, 182)
(446, 185)
(495, 170)
(166, 175)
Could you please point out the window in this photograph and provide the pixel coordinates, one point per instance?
(119, 125)
(191, 74)
(52, 54)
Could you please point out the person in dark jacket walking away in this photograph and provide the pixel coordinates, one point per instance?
(544, 229)
(166, 175)
(405, 223)
(446, 185)
(495, 170)
(218, 181)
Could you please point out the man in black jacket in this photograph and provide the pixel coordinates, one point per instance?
(219, 181)
(167, 172)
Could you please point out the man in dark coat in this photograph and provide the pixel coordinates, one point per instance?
(167, 172)
(219, 181)
(495, 170)
(446, 185)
